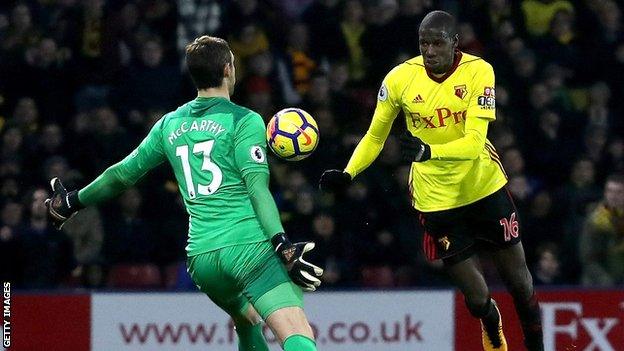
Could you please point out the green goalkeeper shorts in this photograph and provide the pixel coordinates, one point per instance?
(235, 276)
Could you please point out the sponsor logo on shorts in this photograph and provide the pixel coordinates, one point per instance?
(445, 242)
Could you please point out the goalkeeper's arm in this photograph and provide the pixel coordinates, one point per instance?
(117, 178)
(112, 182)
(263, 203)
(301, 272)
(126, 173)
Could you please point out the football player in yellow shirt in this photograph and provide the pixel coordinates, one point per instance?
(457, 182)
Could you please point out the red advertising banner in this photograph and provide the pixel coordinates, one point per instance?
(51, 322)
(572, 320)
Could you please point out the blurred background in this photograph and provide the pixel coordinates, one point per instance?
(82, 81)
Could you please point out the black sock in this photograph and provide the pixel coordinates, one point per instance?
(479, 311)
(491, 322)
(491, 318)
(531, 322)
(487, 313)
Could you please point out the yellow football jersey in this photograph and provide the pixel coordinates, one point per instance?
(451, 114)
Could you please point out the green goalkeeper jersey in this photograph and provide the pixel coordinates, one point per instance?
(211, 144)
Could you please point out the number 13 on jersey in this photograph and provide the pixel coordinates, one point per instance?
(204, 148)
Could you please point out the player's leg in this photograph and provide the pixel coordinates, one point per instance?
(226, 293)
(279, 301)
(511, 265)
(248, 326)
(290, 326)
(448, 236)
(282, 309)
(498, 225)
(467, 277)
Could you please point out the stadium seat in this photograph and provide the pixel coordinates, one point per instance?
(177, 278)
(171, 272)
(377, 277)
(134, 276)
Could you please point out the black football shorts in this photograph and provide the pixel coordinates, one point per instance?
(454, 235)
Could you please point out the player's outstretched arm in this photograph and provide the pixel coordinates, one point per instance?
(365, 153)
(291, 254)
(369, 148)
(62, 205)
(113, 181)
(334, 180)
(106, 186)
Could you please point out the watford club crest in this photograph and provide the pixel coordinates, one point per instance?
(460, 91)
(445, 242)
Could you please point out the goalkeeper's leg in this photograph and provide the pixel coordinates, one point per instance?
(292, 329)
(282, 309)
(248, 326)
(512, 268)
(289, 324)
(214, 278)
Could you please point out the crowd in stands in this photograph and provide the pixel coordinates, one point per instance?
(82, 81)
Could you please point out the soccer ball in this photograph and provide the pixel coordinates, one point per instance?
(292, 134)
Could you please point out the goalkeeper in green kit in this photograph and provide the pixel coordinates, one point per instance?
(238, 253)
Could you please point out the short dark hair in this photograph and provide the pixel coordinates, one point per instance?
(206, 57)
(441, 20)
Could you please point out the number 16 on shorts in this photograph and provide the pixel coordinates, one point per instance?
(510, 227)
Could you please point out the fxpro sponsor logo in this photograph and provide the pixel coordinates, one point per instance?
(442, 117)
(341, 321)
(571, 324)
(6, 314)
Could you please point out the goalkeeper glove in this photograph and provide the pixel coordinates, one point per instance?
(62, 205)
(334, 180)
(414, 149)
(303, 273)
